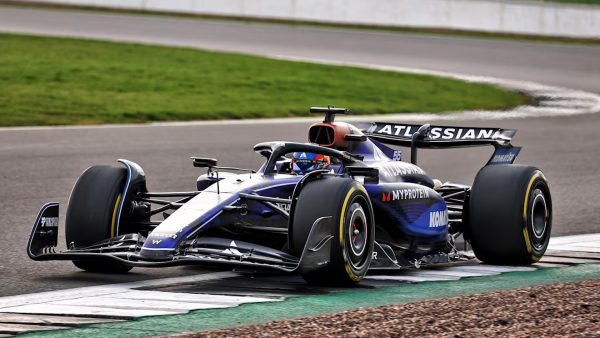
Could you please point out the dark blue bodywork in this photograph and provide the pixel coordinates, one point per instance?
(406, 207)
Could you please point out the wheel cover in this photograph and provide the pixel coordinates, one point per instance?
(539, 218)
(357, 235)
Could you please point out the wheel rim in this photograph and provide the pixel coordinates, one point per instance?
(539, 219)
(357, 235)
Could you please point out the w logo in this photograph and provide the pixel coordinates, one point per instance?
(385, 197)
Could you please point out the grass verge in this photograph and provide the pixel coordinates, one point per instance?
(54, 81)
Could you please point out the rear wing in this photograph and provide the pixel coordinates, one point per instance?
(437, 137)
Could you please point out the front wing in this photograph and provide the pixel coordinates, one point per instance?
(205, 251)
(126, 249)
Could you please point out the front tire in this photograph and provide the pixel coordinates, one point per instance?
(510, 217)
(346, 201)
(92, 214)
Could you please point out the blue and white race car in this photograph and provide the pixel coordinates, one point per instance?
(331, 210)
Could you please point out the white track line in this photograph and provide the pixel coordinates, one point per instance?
(582, 243)
(120, 300)
(189, 298)
(445, 272)
(454, 272)
(492, 268)
(20, 328)
(414, 279)
(96, 291)
(45, 320)
(551, 265)
(90, 310)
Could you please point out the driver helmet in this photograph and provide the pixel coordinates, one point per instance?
(303, 162)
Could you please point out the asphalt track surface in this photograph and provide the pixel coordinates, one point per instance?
(40, 165)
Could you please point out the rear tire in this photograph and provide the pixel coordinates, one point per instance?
(510, 217)
(92, 214)
(353, 239)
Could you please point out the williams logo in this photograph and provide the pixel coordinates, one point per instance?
(438, 219)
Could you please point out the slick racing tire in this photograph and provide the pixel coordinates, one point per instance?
(92, 213)
(510, 216)
(347, 202)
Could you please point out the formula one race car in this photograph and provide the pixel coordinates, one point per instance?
(332, 209)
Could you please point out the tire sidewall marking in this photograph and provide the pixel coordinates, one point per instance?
(528, 241)
(114, 216)
(347, 266)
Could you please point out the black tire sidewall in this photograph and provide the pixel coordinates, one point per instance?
(499, 226)
(91, 214)
(92, 205)
(332, 196)
(319, 198)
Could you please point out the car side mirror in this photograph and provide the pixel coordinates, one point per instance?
(355, 138)
(201, 162)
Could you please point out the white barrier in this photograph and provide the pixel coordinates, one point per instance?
(525, 17)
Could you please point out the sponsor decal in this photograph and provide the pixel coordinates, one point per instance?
(396, 129)
(404, 194)
(438, 218)
(48, 222)
(156, 241)
(506, 158)
(374, 257)
(171, 236)
(440, 133)
(400, 169)
(410, 194)
(284, 206)
(385, 196)
(504, 155)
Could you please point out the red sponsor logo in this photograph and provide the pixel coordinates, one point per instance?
(385, 197)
